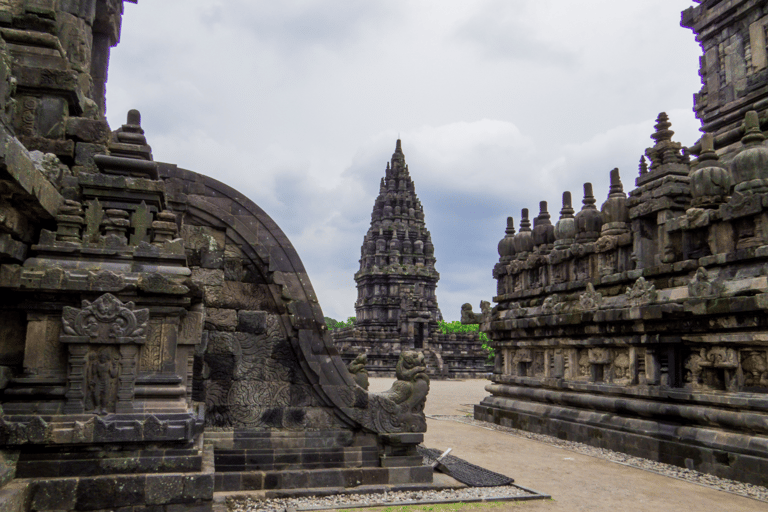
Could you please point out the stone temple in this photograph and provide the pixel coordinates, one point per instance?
(396, 307)
(159, 337)
(641, 326)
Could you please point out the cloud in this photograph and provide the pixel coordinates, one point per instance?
(499, 105)
(504, 31)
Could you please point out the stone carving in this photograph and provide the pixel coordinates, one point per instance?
(401, 408)
(590, 300)
(755, 366)
(641, 293)
(358, 371)
(468, 316)
(552, 305)
(102, 372)
(599, 355)
(701, 285)
(621, 372)
(105, 318)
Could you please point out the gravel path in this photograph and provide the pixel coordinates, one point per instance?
(722, 484)
(375, 500)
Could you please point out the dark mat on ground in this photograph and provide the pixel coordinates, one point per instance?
(463, 471)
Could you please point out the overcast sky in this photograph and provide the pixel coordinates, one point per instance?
(499, 103)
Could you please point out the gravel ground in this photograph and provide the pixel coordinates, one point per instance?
(750, 491)
(374, 500)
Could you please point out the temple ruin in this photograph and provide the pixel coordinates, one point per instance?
(396, 307)
(641, 327)
(160, 337)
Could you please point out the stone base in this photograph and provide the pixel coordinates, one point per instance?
(346, 478)
(737, 456)
(165, 492)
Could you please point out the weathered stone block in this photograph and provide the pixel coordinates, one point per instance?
(254, 322)
(54, 494)
(88, 130)
(234, 295)
(207, 277)
(85, 151)
(221, 319)
(163, 489)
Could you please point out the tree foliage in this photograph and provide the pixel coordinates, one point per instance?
(339, 324)
(458, 327)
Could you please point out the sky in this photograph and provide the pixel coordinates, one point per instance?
(499, 104)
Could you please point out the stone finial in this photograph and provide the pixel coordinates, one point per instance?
(617, 188)
(164, 228)
(566, 212)
(116, 225)
(543, 231)
(643, 165)
(524, 238)
(663, 133)
(750, 166)
(710, 181)
(589, 198)
(507, 244)
(752, 132)
(70, 222)
(134, 117)
(565, 229)
(589, 220)
(615, 210)
(665, 156)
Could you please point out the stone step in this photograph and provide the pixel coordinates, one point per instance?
(265, 460)
(320, 478)
(52, 465)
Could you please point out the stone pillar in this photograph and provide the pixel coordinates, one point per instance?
(127, 378)
(78, 368)
(652, 366)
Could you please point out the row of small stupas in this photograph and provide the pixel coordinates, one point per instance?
(640, 327)
(396, 308)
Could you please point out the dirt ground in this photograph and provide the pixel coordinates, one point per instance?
(576, 482)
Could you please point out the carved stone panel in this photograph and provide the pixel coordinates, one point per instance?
(103, 338)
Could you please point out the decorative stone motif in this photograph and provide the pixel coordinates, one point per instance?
(565, 229)
(710, 182)
(590, 300)
(589, 220)
(750, 166)
(106, 318)
(358, 371)
(641, 293)
(402, 406)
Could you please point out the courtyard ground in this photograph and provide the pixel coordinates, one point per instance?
(576, 482)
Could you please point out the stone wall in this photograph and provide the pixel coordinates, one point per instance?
(641, 327)
(144, 307)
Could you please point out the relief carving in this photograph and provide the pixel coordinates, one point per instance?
(590, 300)
(401, 408)
(105, 318)
(102, 374)
(641, 293)
(755, 368)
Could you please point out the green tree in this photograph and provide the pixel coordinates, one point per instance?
(339, 324)
(458, 327)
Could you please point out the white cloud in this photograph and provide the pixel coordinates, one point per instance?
(499, 104)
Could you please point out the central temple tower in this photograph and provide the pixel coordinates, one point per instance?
(396, 307)
(397, 278)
